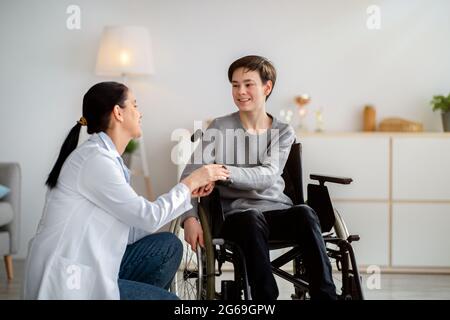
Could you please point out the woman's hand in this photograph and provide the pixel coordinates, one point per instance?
(204, 176)
(203, 191)
(193, 233)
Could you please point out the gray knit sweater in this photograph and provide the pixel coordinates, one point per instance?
(256, 162)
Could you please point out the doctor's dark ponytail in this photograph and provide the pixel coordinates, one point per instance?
(98, 103)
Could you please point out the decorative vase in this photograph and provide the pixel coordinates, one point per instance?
(369, 118)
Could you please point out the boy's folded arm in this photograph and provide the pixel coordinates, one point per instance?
(254, 178)
(265, 175)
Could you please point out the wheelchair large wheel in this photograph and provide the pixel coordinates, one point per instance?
(195, 278)
(347, 280)
(187, 283)
(340, 228)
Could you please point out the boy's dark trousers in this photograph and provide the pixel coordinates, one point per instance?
(252, 230)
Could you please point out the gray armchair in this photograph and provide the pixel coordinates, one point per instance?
(10, 176)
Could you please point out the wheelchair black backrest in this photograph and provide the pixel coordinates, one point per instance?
(293, 176)
(318, 197)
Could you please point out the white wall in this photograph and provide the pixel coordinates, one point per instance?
(319, 47)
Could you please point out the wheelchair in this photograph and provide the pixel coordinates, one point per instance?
(199, 272)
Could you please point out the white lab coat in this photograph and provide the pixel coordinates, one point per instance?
(85, 226)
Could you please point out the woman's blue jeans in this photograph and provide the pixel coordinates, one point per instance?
(148, 267)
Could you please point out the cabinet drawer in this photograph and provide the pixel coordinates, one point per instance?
(421, 235)
(365, 159)
(420, 168)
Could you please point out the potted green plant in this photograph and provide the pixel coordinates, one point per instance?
(442, 103)
(129, 149)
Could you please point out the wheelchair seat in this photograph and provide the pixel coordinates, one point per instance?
(281, 244)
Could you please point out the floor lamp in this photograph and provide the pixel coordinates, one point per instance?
(125, 51)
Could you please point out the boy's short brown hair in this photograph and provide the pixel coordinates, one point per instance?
(260, 64)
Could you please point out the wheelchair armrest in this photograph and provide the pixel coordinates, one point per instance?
(322, 179)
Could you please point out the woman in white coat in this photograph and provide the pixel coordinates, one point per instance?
(96, 238)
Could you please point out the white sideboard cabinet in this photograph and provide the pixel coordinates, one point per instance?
(399, 201)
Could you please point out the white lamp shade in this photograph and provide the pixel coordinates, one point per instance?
(124, 50)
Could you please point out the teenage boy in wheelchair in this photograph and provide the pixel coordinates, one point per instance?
(255, 207)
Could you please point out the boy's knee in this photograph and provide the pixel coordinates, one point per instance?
(248, 218)
(306, 215)
(247, 222)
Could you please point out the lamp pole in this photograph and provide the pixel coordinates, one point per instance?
(125, 51)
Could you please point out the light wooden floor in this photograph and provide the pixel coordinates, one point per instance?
(397, 287)
(393, 286)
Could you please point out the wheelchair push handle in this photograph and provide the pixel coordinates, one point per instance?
(353, 237)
